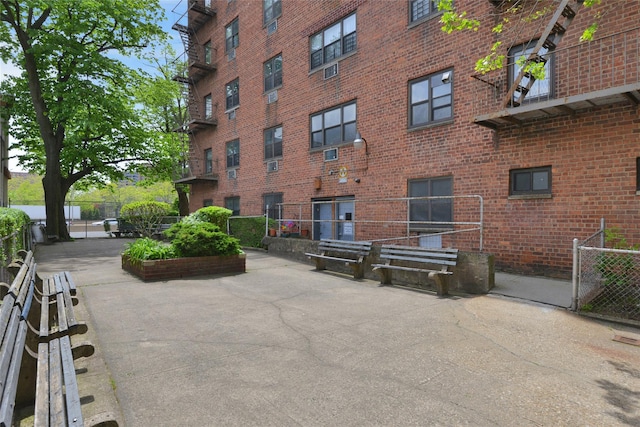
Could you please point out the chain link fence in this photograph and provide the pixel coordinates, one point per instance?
(608, 280)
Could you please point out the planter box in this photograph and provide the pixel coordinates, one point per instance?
(175, 268)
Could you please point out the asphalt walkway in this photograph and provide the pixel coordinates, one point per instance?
(283, 345)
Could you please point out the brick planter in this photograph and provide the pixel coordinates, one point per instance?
(185, 267)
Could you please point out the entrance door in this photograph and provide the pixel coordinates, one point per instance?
(322, 216)
(345, 211)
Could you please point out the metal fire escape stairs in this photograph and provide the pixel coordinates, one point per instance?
(549, 40)
(194, 119)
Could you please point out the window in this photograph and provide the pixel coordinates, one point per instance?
(233, 153)
(208, 107)
(422, 8)
(273, 143)
(208, 161)
(207, 202)
(530, 181)
(431, 99)
(273, 73)
(333, 42)
(431, 210)
(233, 204)
(334, 126)
(231, 36)
(207, 52)
(542, 87)
(272, 10)
(233, 94)
(271, 202)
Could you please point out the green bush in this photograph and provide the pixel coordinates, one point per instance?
(202, 239)
(13, 221)
(144, 216)
(250, 231)
(146, 248)
(213, 214)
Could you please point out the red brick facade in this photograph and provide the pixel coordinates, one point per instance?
(592, 151)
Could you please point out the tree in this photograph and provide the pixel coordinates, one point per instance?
(511, 13)
(74, 114)
(25, 190)
(163, 112)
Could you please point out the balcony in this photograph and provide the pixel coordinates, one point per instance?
(200, 12)
(601, 72)
(195, 175)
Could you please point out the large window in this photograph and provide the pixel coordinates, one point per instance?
(231, 36)
(541, 88)
(208, 107)
(208, 161)
(334, 126)
(333, 42)
(531, 181)
(233, 153)
(273, 143)
(272, 10)
(233, 94)
(273, 73)
(431, 99)
(233, 204)
(431, 211)
(271, 202)
(422, 8)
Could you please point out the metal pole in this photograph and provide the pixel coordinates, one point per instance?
(602, 236)
(266, 221)
(574, 277)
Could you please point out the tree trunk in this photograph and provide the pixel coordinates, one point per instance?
(183, 200)
(54, 196)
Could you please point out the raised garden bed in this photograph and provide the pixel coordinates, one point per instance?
(176, 268)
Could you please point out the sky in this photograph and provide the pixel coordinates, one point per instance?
(173, 11)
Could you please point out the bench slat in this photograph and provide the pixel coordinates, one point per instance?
(74, 414)
(421, 260)
(72, 284)
(56, 398)
(399, 267)
(42, 386)
(12, 347)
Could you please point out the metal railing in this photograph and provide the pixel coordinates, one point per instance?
(388, 220)
(606, 280)
(9, 246)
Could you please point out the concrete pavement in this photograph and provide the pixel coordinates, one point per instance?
(284, 345)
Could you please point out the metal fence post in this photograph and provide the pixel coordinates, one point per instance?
(574, 276)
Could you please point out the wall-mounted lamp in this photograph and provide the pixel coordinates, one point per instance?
(446, 77)
(360, 142)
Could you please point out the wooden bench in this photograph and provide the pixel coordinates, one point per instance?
(350, 253)
(45, 377)
(435, 262)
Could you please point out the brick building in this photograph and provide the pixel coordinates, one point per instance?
(280, 89)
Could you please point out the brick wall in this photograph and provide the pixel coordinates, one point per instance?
(592, 153)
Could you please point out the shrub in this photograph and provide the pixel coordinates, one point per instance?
(250, 231)
(12, 221)
(144, 216)
(146, 248)
(202, 239)
(213, 214)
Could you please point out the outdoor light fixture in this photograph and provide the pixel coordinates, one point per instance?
(359, 142)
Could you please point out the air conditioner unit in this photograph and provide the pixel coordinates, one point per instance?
(272, 97)
(331, 71)
(272, 166)
(231, 54)
(232, 114)
(272, 27)
(231, 174)
(330, 154)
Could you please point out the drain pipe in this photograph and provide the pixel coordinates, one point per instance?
(574, 277)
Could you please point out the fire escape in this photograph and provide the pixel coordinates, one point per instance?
(199, 62)
(600, 72)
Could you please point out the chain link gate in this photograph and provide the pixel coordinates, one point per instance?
(606, 281)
